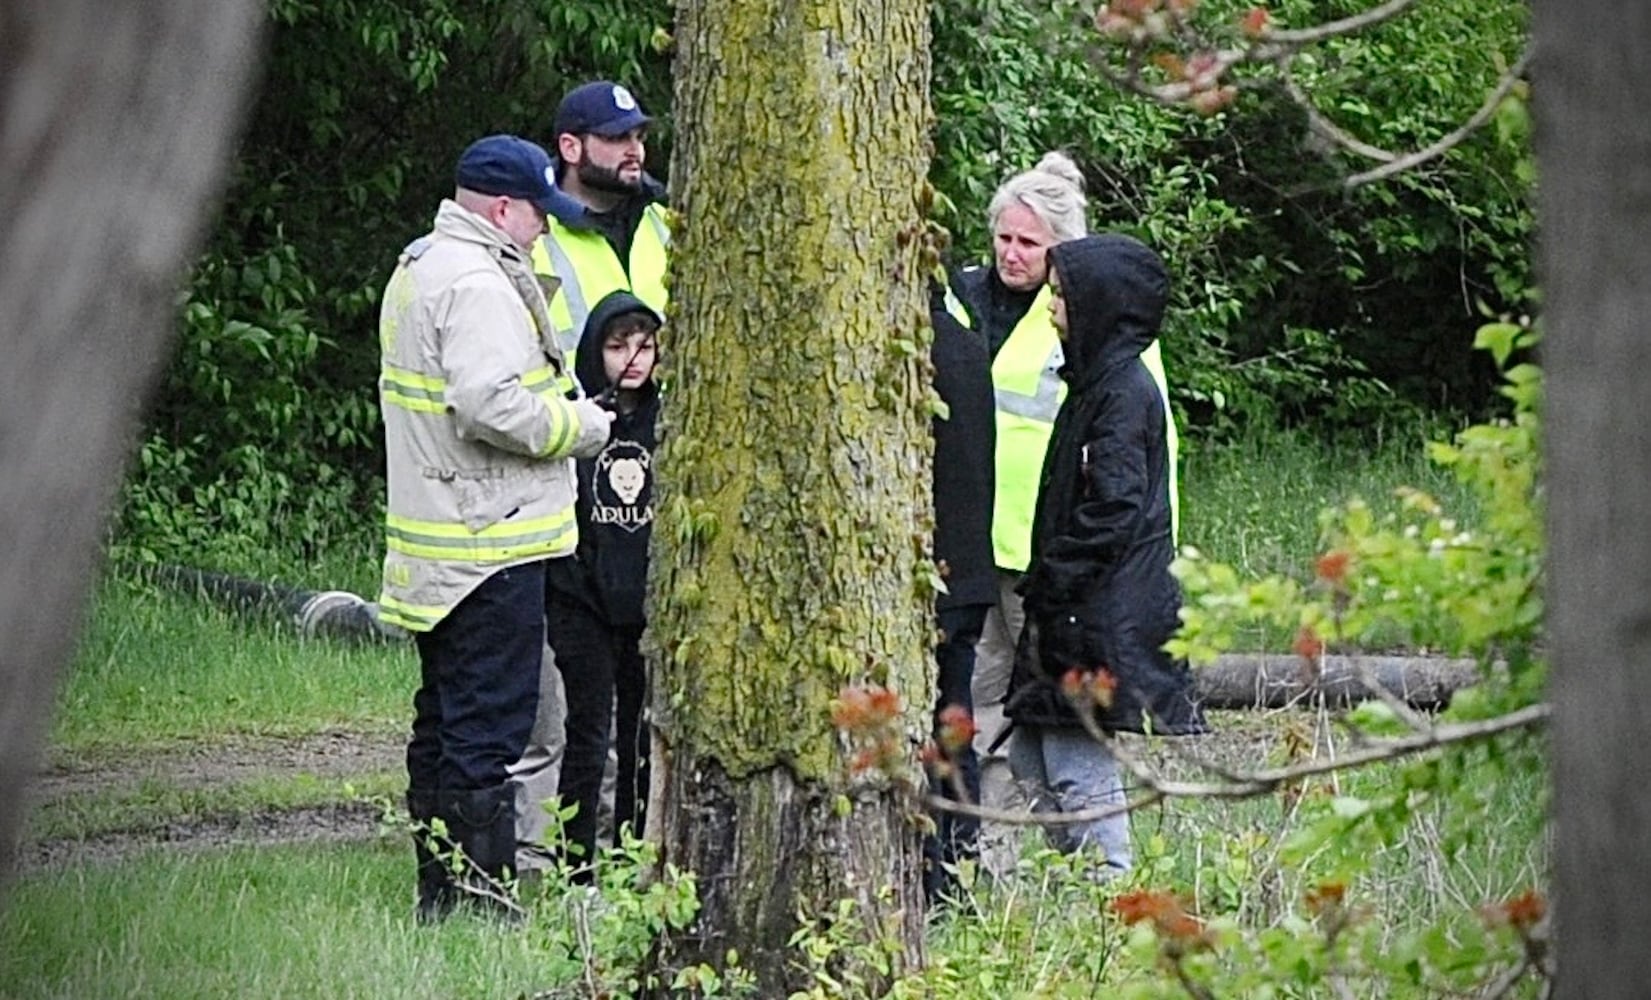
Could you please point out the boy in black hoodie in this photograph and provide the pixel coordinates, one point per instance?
(594, 602)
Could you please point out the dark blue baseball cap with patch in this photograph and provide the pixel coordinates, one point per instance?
(601, 107)
(511, 166)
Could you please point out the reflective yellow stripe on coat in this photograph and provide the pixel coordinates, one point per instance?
(500, 542)
(413, 617)
(412, 390)
(421, 393)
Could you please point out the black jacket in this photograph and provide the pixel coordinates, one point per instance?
(1099, 591)
(615, 499)
(993, 307)
(964, 455)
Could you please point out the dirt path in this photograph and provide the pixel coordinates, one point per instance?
(218, 764)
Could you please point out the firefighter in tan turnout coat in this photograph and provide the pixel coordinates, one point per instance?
(480, 435)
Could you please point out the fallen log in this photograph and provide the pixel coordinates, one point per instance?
(336, 614)
(1263, 680)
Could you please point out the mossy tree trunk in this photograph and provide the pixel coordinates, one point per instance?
(792, 553)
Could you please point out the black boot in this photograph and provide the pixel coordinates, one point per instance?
(436, 893)
(483, 823)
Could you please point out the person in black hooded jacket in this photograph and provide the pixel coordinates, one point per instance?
(594, 601)
(1099, 597)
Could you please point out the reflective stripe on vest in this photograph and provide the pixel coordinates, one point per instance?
(502, 541)
(958, 310)
(1153, 358)
(589, 269)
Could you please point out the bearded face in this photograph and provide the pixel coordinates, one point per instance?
(612, 164)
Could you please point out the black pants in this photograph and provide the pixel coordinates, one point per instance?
(479, 685)
(630, 685)
(600, 665)
(955, 836)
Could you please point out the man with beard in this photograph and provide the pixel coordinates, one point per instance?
(610, 234)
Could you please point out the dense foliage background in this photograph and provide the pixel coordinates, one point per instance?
(1297, 303)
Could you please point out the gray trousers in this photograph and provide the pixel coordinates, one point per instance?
(1067, 771)
(535, 775)
(994, 660)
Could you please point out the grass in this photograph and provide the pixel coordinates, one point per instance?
(333, 921)
(152, 803)
(1254, 503)
(1047, 934)
(298, 922)
(157, 667)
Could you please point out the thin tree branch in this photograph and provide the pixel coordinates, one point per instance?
(1279, 48)
(1257, 783)
(1394, 703)
(1323, 127)
(1332, 29)
(1503, 985)
(1536, 961)
(1400, 164)
(1195, 989)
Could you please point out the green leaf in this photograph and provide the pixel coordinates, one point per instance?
(1498, 339)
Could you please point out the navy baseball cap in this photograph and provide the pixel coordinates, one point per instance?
(508, 165)
(601, 107)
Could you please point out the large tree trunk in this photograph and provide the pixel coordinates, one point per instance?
(791, 548)
(116, 122)
(1594, 150)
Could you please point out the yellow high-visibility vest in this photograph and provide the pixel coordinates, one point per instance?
(589, 269)
(1029, 392)
(1028, 388)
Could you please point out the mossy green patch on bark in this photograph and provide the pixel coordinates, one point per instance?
(792, 543)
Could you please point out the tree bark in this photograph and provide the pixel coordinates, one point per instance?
(116, 123)
(1594, 151)
(792, 542)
